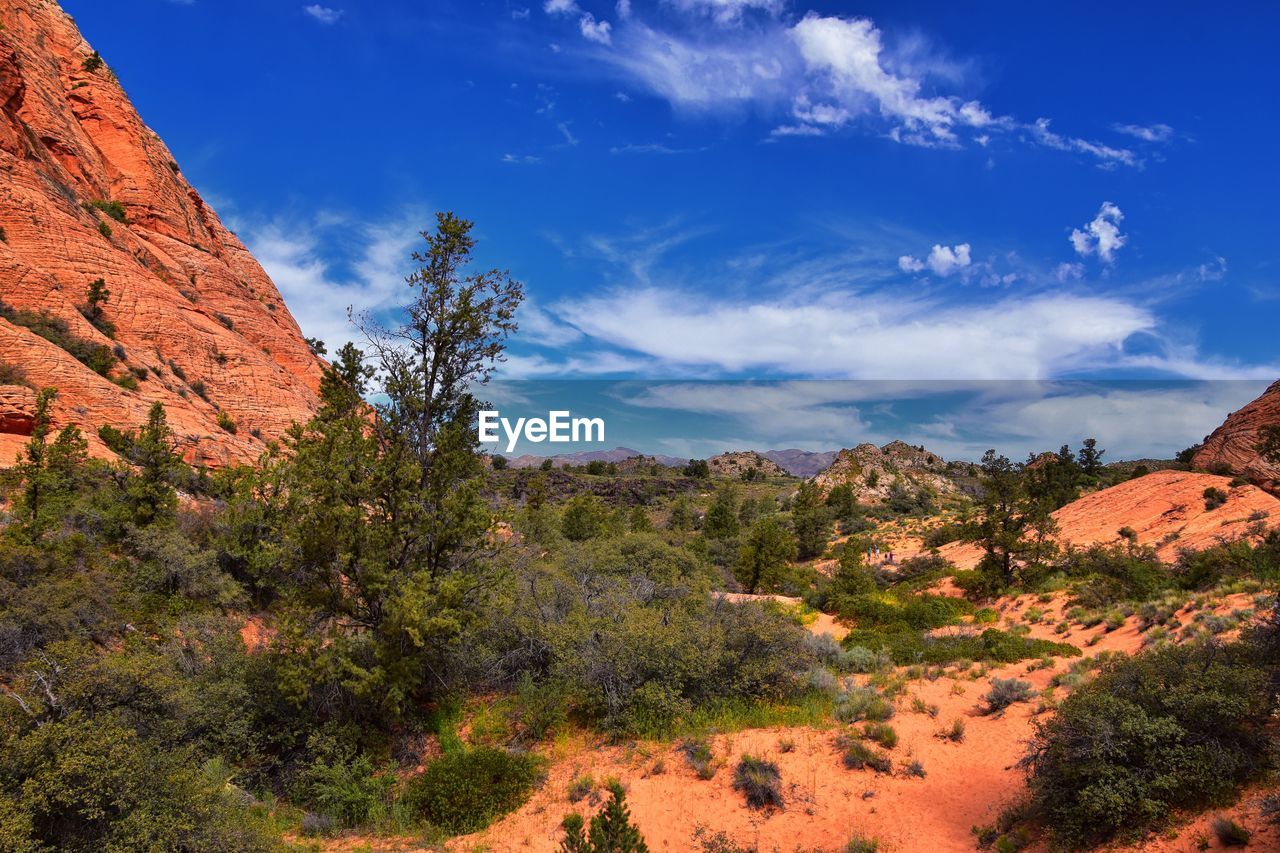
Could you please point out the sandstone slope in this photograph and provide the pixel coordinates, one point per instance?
(1234, 445)
(87, 191)
(1166, 509)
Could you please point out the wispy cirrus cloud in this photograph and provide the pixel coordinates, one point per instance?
(318, 285)
(812, 75)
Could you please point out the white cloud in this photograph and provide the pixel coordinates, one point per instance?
(569, 138)
(623, 97)
(1147, 133)
(942, 260)
(728, 11)
(824, 72)
(1214, 270)
(520, 158)
(596, 31)
(863, 336)
(520, 14)
(316, 290)
(323, 14)
(624, 9)
(1108, 157)
(1102, 235)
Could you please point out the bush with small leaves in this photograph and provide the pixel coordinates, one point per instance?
(881, 733)
(465, 791)
(1214, 498)
(856, 755)
(1230, 833)
(1005, 692)
(759, 781)
(227, 423)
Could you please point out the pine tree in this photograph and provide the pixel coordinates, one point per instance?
(611, 831)
(722, 518)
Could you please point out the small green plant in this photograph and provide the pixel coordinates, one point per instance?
(92, 62)
(700, 757)
(1230, 833)
(200, 390)
(1214, 498)
(881, 733)
(759, 781)
(104, 229)
(114, 209)
(225, 321)
(861, 844)
(610, 831)
(915, 770)
(227, 423)
(581, 788)
(955, 733)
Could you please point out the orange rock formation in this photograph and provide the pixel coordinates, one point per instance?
(1234, 445)
(87, 191)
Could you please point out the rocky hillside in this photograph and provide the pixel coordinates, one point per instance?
(1166, 510)
(89, 193)
(1233, 446)
(872, 471)
(744, 464)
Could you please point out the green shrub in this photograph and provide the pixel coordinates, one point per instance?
(915, 647)
(881, 733)
(349, 793)
(856, 755)
(198, 386)
(465, 791)
(226, 422)
(1177, 727)
(1230, 833)
(611, 830)
(1005, 692)
(760, 781)
(114, 209)
(104, 229)
(862, 703)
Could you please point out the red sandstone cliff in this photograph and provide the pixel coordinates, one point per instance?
(189, 304)
(1234, 445)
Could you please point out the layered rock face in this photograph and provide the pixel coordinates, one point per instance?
(88, 192)
(1234, 445)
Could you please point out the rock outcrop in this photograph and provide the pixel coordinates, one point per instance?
(17, 410)
(88, 192)
(744, 465)
(873, 471)
(1233, 446)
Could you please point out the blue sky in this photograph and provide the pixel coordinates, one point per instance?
(729, 189)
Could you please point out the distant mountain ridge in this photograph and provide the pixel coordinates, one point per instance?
(617, 454)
